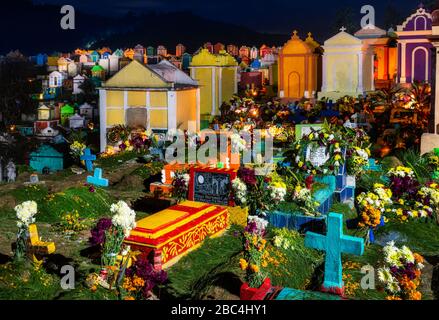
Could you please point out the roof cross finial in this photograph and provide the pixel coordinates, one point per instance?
(343, 29)
(295, 34)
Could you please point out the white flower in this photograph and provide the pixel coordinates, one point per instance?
(124, 217)
(385, 276)
(238, 144)
(240, 190)
(393, 287)
(277, 193)
(25, 213)
(186, 178)
(261, 224)
(407, 254)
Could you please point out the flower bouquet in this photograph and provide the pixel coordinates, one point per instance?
(140, 279)
(259, 193)
(122, 223)
(372, 206)
(180, 186)
(401, 273)
(255, 258)
(25, 214)
(77, 149)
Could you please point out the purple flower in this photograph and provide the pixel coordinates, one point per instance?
(98, 232)
(248, 176)
(145, 270)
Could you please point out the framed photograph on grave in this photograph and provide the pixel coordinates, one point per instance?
(212, 185)
(305, 129)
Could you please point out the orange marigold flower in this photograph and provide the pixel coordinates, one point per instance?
(254, 268)
(415, 295)
(129, 298)
(418, 258)
(243, 264)
(393, 298)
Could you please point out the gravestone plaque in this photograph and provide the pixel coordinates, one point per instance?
(33, 179)
(137, 118)
(211, 187)
(317, 156)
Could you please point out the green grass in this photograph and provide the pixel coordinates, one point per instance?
(89, 204)
(195, 273)
(30, 193)
(52, 206)
(148, 170)
(23, 282)
(296, 266)
(111, 163)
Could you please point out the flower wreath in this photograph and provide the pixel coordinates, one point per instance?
(324, 137)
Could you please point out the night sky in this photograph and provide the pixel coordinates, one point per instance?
(274, 16)
(34, 26)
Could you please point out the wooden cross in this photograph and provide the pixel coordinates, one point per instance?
(97, 179)
(36, 247)
(334, 244)
(88, 157)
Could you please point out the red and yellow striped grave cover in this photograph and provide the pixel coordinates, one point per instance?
(172, 233)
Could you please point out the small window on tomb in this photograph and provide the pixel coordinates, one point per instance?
(137, 118)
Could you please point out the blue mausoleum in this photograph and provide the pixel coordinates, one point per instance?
(46, 160)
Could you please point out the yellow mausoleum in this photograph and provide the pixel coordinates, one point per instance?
(157, 97)
(298, 65)
(217, 77)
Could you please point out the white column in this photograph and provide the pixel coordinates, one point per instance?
(172, 110)
(148, 109)
(360, 72)
(103, 118)
(403, 78)
(220, 88)
(198, 109)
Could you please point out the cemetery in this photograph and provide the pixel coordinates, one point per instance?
(182, 180)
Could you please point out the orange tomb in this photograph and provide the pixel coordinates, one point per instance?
(168, 235)
(298, 68)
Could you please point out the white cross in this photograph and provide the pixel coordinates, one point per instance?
(343, 29)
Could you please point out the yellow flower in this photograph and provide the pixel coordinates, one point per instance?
(254, 268)
(243, 264)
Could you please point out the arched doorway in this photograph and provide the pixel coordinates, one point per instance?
(420, 64)
(294, 85)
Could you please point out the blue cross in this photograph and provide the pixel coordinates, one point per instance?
(97, 179)
(334, 244)
(88, 157)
